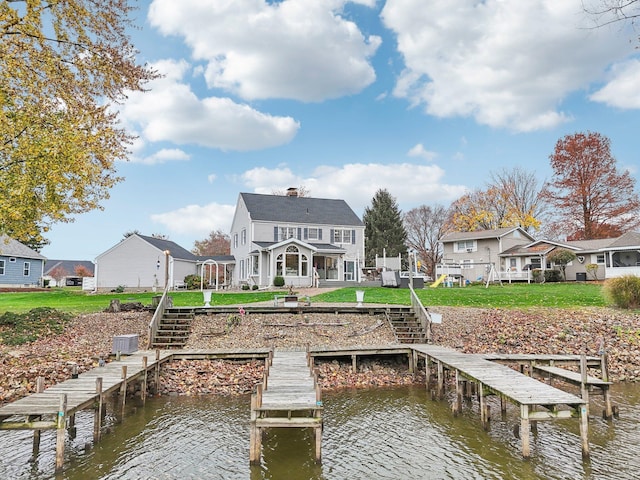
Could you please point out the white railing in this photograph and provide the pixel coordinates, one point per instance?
(612, 272)
(153, 324)
(510, 276)
(422, 314)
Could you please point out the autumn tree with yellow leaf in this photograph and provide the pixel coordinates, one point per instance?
(511, 199)
(63, 66)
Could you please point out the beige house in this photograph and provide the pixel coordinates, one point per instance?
(472, 255)
(513, 254)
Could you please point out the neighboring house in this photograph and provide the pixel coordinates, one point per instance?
(65, 272)
(473, 253)
(142, 262)
(514, 255)
(20, 266)
(308, 241)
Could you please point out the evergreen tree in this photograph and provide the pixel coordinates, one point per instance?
(384, 229)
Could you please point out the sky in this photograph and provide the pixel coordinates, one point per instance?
(423, 98)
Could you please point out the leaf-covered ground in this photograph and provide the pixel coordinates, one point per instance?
(538, 330)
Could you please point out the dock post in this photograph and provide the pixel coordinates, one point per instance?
(123, 390)
(354, 363)
(157, 373)
(318, 443)
(484, 410)
(584, 388)
(604, 368)
(584, 430)
(524, 430)
(440, 380)
(97, 416)
(255, 437)
(143, 389)
(36, 433)
(459, 387)
(427, 371)
(60, 431)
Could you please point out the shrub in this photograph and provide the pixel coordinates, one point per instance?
(592, 270)
(192, 282)
(623, 292)
(245, 286)
(254, 287)
(278, 281)
(537, 275)
(19, 328)
(552, 276)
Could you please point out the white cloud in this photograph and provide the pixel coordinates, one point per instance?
(172, 112)
(357, 183)
(211, 177)
(623, 89)
(419, 151)
(163, 156)
(196, 219)
(506, 64)
(295, 49)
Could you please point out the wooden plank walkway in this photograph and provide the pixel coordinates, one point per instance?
(289, 397)
(494, 378)
(81, 392)
(56, 406)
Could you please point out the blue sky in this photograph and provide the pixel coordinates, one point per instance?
(422, 97)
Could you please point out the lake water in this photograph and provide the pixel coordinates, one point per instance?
(391, 433)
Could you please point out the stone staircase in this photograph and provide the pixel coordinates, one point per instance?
(406, 327)
(173, 329)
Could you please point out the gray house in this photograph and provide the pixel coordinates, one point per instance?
(149, 263)
(20, 266)
(308, 241)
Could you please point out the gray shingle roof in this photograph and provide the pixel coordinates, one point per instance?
(300, 210)
(12, 248)
(176, 250)
(480, 234)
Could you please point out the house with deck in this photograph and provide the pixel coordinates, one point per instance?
(514, 254)
(472, 255)
(306, 241)
(20, 266)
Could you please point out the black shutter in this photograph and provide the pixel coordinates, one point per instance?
(319, 234)
(275, 234)
(306, 233)
(332, 235)
(353, 236)
(299, 233)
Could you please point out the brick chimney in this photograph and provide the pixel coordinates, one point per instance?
(292, 192)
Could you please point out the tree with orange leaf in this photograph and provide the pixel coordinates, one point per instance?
(590, 196)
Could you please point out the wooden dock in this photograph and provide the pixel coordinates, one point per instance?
(56, 406)
(493, 378)
(289, 397)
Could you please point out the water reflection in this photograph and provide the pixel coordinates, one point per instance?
(395, 433)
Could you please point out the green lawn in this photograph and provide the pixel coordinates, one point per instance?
(559, 295)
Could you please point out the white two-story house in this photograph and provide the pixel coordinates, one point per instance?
(307, 241)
